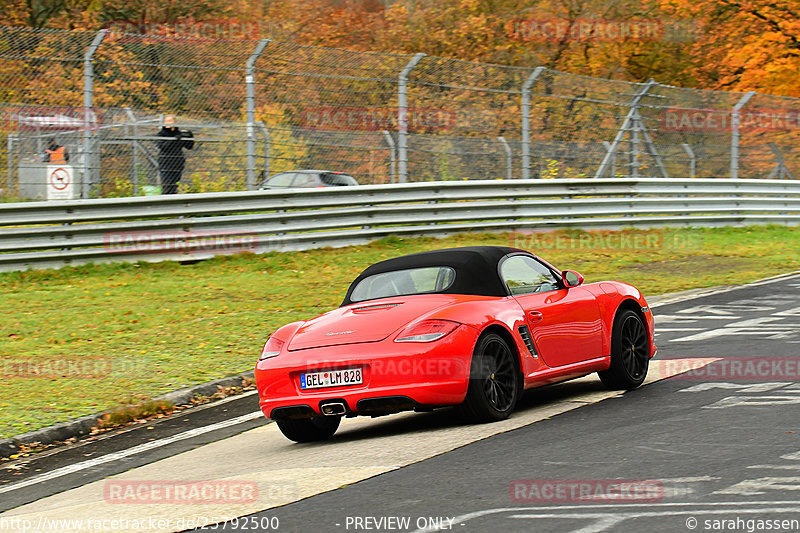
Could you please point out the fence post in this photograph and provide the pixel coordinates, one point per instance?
(630, 118)
(780, 171)
(134, 154)
(250, 81)
(88, 103)
(10, 184)
(507, 148)
(392, 158)
(526, 121)
(267, 148)
(735, 120)
(692, 159)
(607, 146)
(402, 118)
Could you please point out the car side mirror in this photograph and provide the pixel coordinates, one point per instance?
(571, 278)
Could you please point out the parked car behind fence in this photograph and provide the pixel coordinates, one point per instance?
(308, 178)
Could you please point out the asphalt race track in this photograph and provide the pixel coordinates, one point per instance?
(710, 443)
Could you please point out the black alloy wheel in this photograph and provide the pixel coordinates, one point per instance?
(630, 353)
(495, 382)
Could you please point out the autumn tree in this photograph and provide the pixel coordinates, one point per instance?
(720, 44)
(744, 44)
(333, 23)
(37, 13)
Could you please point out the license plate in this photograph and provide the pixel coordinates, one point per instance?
(332, 378)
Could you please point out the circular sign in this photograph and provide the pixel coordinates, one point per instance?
(59, 179)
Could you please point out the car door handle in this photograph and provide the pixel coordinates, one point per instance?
(535, 316)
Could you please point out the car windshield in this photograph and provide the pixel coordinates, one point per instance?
(404, 282)
(338, 179)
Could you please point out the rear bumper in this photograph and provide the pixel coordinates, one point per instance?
(396, 376)
(366, 406)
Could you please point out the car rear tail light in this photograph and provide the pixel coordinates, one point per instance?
(427, 331)
(271, 348)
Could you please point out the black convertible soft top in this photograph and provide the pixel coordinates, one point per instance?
(475, 266)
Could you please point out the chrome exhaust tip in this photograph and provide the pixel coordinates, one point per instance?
(333, 409)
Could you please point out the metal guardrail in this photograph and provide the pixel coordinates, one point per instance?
(198, 226)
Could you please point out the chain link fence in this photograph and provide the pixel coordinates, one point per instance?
(256, 108)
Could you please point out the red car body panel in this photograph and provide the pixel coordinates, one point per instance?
(571, 330)
(367, 322)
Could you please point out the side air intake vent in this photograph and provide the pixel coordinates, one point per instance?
(525, 333)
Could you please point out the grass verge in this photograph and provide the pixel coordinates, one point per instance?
(81, 340)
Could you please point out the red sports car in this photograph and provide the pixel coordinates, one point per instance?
(469, 327)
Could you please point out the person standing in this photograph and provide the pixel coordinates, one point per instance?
(170, 154)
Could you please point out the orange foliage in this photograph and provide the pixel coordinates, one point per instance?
(715, 44)
(744, 44)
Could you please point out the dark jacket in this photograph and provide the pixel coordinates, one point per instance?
(170, 151)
